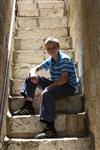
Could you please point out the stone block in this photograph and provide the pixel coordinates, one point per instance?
(30, 13)
(28, 126)
(69, 104)
(50, 144)
(51, 13)
(26, 5)
(32, 57)
(24, 67)
(24, 70)
(51, 4)
(42, 32)
(29, 44)
(25, 22)
(53, 22)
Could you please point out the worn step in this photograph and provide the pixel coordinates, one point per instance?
(25, 67)
(28, 13)
(23, 43)
(24, 70)
(50, 144)
(50, 4)
(51, 12)
(41, 13)
(29, 5)
(42, 32)
(42, 9)
(28, 126)
(31, 22)
(69, 104)
(32, 57)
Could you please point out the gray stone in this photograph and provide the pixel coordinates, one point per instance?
(29, 126)
(50, 144)
(29, 43)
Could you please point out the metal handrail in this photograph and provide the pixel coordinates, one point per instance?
(4, 89)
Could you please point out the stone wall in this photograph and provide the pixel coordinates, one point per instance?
(85, 30)
(4, 32)
(5, 18)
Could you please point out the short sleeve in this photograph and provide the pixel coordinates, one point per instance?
(45, 65)
(68, 66)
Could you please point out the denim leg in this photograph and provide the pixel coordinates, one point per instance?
(47, 109)
(28, 88)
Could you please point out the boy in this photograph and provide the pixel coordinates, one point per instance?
(63, 83)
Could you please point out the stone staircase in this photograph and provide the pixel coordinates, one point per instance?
(35, 21)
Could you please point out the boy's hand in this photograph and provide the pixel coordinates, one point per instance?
(34, 80)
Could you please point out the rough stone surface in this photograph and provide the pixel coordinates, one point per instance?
(31, 57)
(30, 43)
(29, 126)
(54, 13)
(85, 31)
(30, 13)
(51, 5)
(31, 22)
(71, 104)
(54, 144)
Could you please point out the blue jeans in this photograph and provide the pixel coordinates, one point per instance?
(47, 107)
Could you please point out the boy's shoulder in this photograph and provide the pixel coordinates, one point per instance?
(64, 56)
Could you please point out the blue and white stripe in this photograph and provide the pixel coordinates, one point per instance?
(64, 64)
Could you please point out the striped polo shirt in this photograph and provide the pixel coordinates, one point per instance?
(64, 64)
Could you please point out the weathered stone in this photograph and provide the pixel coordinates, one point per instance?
(53, 22)
(24, 22)
(29, 126)
(31, 57)
(51, 5)
(51, 13)
(20, 70)
(26, 5)
(31, 22)
(30, 13)
(24, 70)
(36, 44)
(69, 104)
(42, 32)
(54, 144)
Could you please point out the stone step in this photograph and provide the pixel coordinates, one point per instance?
(41, 13)
(29, 5)
(50, 144)
(50, 4)
(69, 104)
(51, 12)
(28, 126)
(28, 13)
(42, 9)
(31, 22)
(24, 70)
(25, 67)
(38, 0)
(33, 57)
(22, 43)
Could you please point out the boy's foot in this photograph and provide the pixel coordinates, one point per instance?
(47, 133)
(25, 110)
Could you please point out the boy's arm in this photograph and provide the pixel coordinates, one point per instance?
(63, 79)
(32, 72)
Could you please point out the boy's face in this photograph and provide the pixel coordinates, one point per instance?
(52, 48)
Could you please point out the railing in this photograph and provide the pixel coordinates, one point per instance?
(6, 73)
